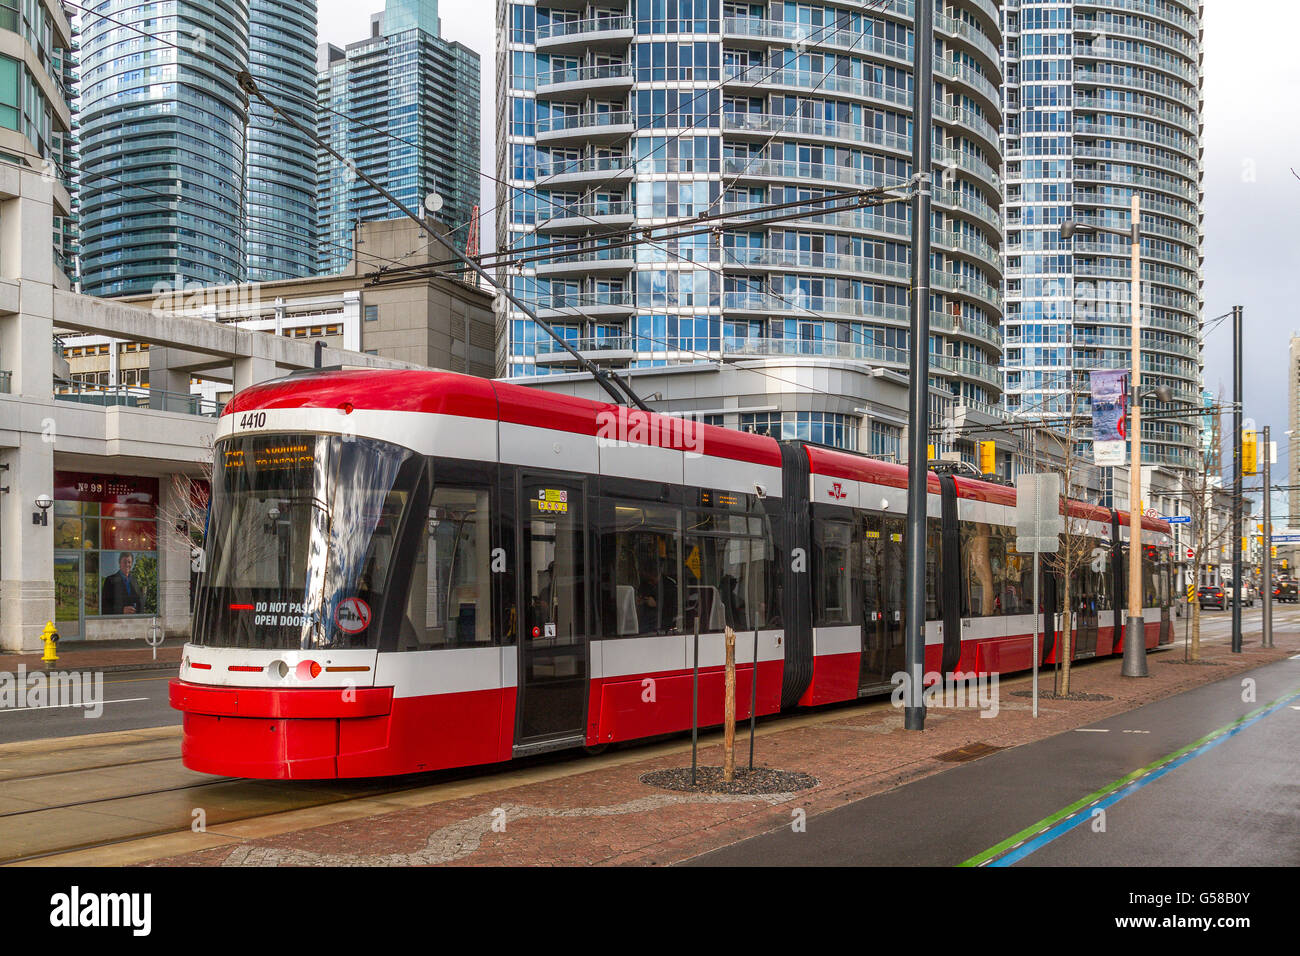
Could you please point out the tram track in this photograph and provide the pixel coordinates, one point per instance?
(103, 804)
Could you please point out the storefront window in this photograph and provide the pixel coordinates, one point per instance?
(111, 520)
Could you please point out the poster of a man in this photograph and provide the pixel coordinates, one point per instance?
(119, 593)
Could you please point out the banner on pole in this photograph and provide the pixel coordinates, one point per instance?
(1109, 416)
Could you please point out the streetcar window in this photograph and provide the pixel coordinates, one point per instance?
(304, 532)
(725, 570)
(450, 602)
(641, 542)
(933, 569)
(983, 559)
(555, 565)
(1099, 576)
(1018, 580)
(834, 569)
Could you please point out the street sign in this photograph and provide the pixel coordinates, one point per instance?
(1190, 554)
(1286, 539)
(1038, 513)
(1179, 519)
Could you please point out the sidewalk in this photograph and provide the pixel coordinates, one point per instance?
(597, 811)
(121, 655)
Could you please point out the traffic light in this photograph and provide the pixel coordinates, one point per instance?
(1249, 453)
(929, 452)
(988, 458)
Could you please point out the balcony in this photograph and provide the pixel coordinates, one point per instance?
(586, 304)
(600, 168)
(581, 79)
(604, 348)
(592, 32)
(774, 124)
(585, 127)
(611, 213)
(131, 396)
(588, 261)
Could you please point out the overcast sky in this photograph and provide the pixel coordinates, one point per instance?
(1252, 140)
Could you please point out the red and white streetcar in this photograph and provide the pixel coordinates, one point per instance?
(413, 570)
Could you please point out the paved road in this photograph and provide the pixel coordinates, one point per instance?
(1232, 803)
(132, 700)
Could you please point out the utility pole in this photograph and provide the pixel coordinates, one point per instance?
(1236, 472)
(1266, 581)
(919, 365)
(1135, 640)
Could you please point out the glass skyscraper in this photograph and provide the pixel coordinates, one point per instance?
(411, 101)
(282, 229)
(181, 182)
(1103, 100)
(162, 146)
(645, 111)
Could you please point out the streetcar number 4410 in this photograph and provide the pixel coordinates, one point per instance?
(253, 420)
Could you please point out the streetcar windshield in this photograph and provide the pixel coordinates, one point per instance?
(304, 541)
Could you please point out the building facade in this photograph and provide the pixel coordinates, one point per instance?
(281, 219)
(617, 116)
(402, 106)
(1103, 101)
(37, 79)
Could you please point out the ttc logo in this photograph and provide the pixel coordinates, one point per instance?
(837, 491)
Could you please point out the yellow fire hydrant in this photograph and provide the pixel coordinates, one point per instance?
(51, 637)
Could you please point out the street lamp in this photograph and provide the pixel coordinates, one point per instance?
(1135, 659)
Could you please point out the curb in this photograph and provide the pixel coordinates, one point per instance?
(64, 663)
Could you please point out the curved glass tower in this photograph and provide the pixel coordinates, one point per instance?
(652, 111)
(403, 106)
(162, 146)
(1103, 100)
(281, 160)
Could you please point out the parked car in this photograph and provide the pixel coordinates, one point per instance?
(1286, 592)
(1211, 595)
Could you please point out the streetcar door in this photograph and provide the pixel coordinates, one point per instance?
(1165, 589)
(552, 695)
(882, 563)
(1049, 604)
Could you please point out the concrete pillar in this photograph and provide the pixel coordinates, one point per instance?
(251, 369)
(26, 550)
(27, 347)
(352, 320)
(168, 386)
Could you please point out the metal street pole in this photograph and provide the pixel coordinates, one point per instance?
(919, 365)
(1135, 642)
(1267, 580)
(1236, 481)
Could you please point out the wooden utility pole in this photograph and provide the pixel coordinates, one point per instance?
(729, 711)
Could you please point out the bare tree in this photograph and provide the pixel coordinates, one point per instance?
(185, 511)
(1211, 531)
(1076, 549)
